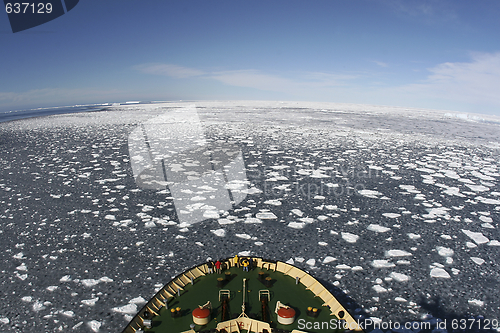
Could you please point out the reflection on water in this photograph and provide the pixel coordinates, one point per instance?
(204, 177)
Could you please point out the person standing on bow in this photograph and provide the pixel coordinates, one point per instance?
(236, 260)
(218, 266)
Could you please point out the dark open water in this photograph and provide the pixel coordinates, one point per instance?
(40, 112)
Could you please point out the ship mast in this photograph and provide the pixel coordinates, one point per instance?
(243, 314)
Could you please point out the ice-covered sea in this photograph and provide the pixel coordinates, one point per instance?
(396, 210)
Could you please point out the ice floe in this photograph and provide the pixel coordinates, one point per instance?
(397, 253)
(437, 272)
(400, 277)
(219, 232)
(378, 228)
(348, 237)
(477, 237)
(382, 263)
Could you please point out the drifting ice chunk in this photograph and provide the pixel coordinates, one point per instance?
(476, 302)
(328, 259)
(94, 325)
(265, 216)
(243, 236)
(311, 262)
(439, 273)
(350, 238)
(377, 228)
(477, 237)
(444, 251)
(253, 220)
(343, 267)
(379, 288)
(296, 225)
(382, 263)
(397, 253)
(399, 277)
(370, 193)
(391, 215)
(413, 236)
(219, 232)
(90, 302)
(477, 260)
(129, 309)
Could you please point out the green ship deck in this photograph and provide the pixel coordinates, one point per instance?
(285, 283)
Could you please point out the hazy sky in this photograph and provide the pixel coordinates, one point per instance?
(430, 54)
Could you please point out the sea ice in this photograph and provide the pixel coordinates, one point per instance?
(253, 220)
(399, 277)
(265, 216)
(311, 262)
(437, 272)
(379, 289)
(391, 215)
(477, 260)
(328, 259)
(397, 253)
(296, 225)
(377, 228)
(475, 302)
(243, 236)
(350, 238)
(90, 302)
(444, 251)
(130, 308)
(477, 237)
(370, 193)
(90, 282)
(94, 325)
(382, 263)
(219, 232)
(225, 221)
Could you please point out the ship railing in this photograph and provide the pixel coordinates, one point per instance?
(244, 323)
(336, 309)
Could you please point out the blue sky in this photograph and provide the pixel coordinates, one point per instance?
(426, 54)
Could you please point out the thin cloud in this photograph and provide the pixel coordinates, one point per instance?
(426, 11)
(301, 82)
(451, 85)
(327, 79)
(250, 78)
(477, 81)
(380, 63)
(170, 70)
(255, 79)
